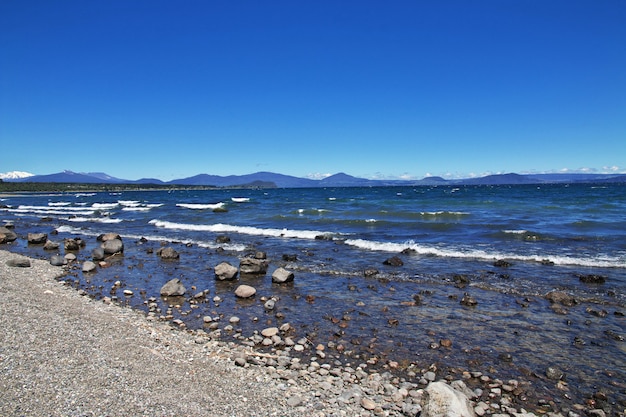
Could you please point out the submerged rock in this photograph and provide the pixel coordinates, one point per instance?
(562, 298)
(394, 261)
(173, 288)
(592, 279)
(168, 253)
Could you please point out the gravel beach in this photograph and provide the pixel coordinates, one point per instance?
(62, 354)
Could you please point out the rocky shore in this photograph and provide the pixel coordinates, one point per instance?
(64, 353)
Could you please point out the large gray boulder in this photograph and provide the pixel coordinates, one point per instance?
(108, 236)
(71, 244)
(50, 245)
(168, 253)
(98, 254)
(282, 275)
(253, 266)
(89, 266)
(7, 235)
(225, 272)
(173, 288)
(37, 238)
(113, 246)
(245, 291)
(441, 400)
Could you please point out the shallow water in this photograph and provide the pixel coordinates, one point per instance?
(512, 332)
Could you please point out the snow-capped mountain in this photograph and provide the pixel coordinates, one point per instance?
(15, 175)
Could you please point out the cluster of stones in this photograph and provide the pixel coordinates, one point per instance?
(358, 389)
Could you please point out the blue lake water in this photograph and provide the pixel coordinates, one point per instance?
(548, 235)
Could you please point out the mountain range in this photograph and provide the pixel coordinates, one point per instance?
(270, 179)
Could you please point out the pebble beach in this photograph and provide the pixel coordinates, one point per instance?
(65, 354)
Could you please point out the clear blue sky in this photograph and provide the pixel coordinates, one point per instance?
(170, 89)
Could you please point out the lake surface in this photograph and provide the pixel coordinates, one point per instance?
(506, 247)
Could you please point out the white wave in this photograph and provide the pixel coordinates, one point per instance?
(69, 229)
(93, 220)
(48, 208)
(240, 199)
(129, 203)
(442, 213)
(371, 221)
(59, 203)
(607, 262)
(201, 206)
(52, 211)
(515, 232)
(136, 208)
(153, 205)
(248, 230)
(85, 194)
(104, 206)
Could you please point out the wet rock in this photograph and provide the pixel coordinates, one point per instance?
(554, 373)
(19, 262)
(7, 235)
(57, 260)
(113, 246)
(172, 288)
(50, 245)
(98, 254)
(225, 272)
(245, 291)
(501, 263)
(222, 239)
(89, 266)
(168, 253)
(460, 281)
(441, 400)
(290, 258)
(281, 275)
(592, 279)
(562, 298)
(37, 238)
(253, 266)
(393, 261)
(71, 244)
(108, 236)
(370, 272)
(468, 300)
(269, 304)
(269, 332)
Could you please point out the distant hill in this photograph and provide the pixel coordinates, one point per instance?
(270, 180)
(69, 177)
(501, 179)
